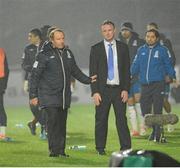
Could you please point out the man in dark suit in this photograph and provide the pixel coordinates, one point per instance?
(109, 59)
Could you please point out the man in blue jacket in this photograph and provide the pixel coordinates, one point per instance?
(152, 63)
(167, 43)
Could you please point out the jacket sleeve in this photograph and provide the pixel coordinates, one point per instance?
(78, 74)
(168, 64)
(93, 70)
(26, 61)
(135, 67)
(37, 70)
(4, 78)
(126, 69)
(170, 48)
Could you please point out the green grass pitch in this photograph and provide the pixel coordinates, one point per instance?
(29, 151)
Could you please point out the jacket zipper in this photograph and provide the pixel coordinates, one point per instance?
(147, 72)
(64, 88)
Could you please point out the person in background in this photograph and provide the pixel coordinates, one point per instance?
(167, 43)
(4, 74)
(132, 39)
(50, 87)
(28, 59)
(152, 63)
(109, 59)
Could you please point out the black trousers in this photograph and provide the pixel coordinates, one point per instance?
(56, 126)
(111, 95)
(3, 116)
(39, 114)
(152, 96)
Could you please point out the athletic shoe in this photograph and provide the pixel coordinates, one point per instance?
(134, 133)
(32, 128)
(142, 131)
(6, 139)
(43, 136)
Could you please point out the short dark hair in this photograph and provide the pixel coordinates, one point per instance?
(153, 24)
(108, 22)
(154, 31)
(36, 32)
(44, 32)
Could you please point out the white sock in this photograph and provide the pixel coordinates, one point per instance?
(133, 118)
(140, 116)
(2, 130)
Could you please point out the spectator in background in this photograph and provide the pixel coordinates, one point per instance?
(132, 39)
(29, 56)
(44, 32)
(109, 59)
(50, 87)
(4, 74)
(152, 63)
(167, 43)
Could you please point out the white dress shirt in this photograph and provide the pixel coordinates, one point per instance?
(115, 81)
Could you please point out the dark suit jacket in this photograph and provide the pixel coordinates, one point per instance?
(98, 66)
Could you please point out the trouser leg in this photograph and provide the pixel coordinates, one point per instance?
(3, 116)
(101, 122)
(56, 125)
(121, 120)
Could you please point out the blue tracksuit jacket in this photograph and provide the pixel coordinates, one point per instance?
(152, 64)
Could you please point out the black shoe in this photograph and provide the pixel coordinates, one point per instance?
(53, 155)
(63, 155)
(101, 152)
(32, 128)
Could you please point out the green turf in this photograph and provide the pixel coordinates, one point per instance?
(27, 150)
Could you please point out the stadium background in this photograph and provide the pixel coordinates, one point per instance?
(80, 19)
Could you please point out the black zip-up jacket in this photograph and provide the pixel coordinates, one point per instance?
(133, 44)
(51, 77)
(28, 58)
(167, 43)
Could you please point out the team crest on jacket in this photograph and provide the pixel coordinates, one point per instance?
(156, 55)
(31, 49)
(161, 42)
(143, 53)
(52, 56)
(134, 43)
(35, 64)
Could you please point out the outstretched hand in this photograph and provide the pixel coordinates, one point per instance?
(93, 78)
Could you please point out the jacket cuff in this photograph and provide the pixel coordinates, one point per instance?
(33, 95)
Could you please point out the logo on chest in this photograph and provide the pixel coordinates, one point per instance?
(156, 55)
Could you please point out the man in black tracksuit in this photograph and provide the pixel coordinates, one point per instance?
(50, 87)
(28, 59)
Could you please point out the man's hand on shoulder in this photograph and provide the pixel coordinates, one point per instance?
(93, 78)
